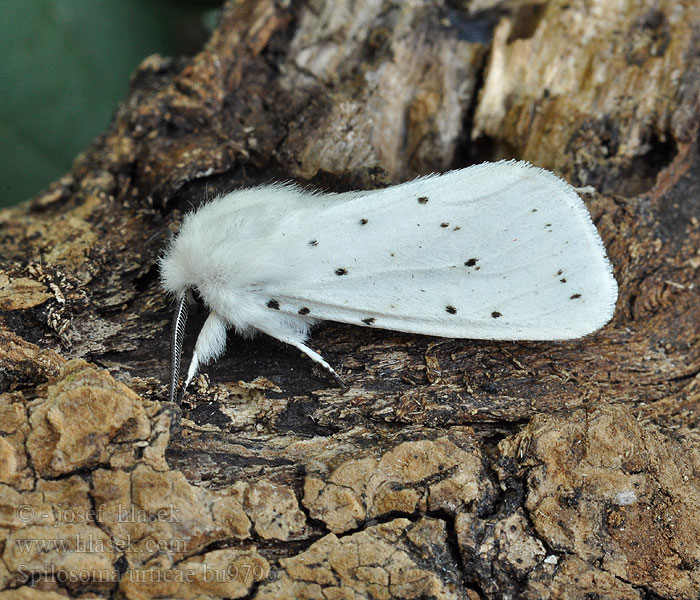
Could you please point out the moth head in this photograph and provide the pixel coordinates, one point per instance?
(183, 266)
(175, 275)
(178, 278)
(193, 260)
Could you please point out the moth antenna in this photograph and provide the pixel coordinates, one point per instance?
(176, 339)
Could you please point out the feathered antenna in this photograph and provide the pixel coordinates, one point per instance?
(176, 339)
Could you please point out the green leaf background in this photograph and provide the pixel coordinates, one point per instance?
(66, 65)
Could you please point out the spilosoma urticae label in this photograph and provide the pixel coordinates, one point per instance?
(502, 251)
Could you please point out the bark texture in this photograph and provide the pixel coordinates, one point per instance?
(450, 468)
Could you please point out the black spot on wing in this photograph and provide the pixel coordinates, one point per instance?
(451, 309)
(304, 310)
(341, 271)
(368, 320)
(495, 314)
(273, 304)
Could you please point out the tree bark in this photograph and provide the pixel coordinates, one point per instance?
(450, 468)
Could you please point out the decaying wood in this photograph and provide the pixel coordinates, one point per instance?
(451, 468)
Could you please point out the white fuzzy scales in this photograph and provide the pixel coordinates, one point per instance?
(502, 251)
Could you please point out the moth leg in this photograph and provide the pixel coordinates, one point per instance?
(192, 371)
(211, 343)
(317, 358)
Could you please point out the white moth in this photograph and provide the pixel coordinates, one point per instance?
(502, 251)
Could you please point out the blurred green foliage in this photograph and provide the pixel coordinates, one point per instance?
(65, 66)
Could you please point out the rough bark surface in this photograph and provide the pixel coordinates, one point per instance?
(450, 468)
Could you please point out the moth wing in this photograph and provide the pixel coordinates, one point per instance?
(496, 251)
